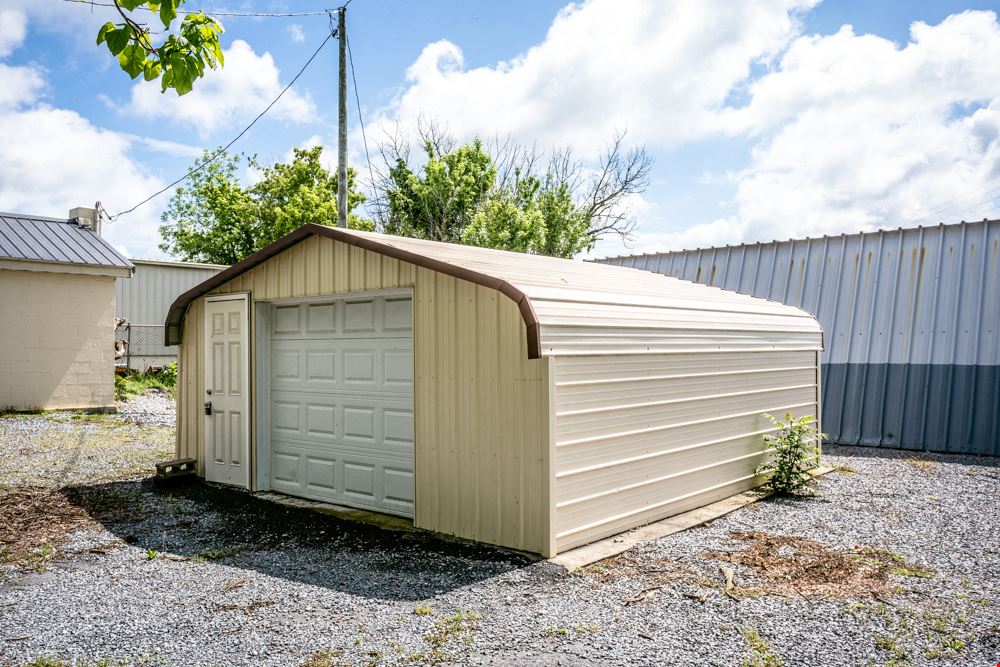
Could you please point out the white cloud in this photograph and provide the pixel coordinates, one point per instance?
(295, 33)
(851, 131)
(19, 85)
(657, 69)
(859, 133)
(55, 159)
(13, 28)
(226, 97)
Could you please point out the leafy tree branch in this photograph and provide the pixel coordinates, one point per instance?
(214, 218)
(179, 60)
(502, 194)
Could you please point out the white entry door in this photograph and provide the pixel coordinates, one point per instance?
(226, 392)
(341, 386)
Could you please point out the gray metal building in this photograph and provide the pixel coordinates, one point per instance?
(143, 301)
(911, 319)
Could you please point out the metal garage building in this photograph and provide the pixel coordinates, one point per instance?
(912, 322)
(143, 300)
(525, 401)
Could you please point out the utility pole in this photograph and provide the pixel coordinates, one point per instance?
(342, 120)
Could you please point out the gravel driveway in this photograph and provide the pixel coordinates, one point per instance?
(897, 563)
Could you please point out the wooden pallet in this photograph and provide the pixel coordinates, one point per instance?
(176, 469)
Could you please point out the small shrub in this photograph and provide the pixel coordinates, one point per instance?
(796, 451)
(169, 374)
(121, 389)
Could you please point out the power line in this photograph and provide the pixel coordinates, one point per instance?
(222, 150)
(357, 99)
(320, 12)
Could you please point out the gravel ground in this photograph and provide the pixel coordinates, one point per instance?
(60, 448)
(155, 408)
(200, 575)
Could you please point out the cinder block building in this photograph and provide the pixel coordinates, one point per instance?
(57, 312)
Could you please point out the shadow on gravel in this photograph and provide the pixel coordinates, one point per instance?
(202, 524)
(873, 452)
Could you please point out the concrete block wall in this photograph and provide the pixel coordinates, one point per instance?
(56, 340)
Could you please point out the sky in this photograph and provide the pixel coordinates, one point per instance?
(770, 119)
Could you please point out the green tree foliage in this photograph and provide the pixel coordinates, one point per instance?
(498, 197)
(215, 218)
(179, 59)
(795, 453)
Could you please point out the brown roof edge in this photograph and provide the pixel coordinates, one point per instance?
(175, 316)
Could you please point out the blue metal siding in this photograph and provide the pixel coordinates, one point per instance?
(911, 320)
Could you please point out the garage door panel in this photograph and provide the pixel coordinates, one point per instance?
(351, 477)
(380, 365)
(379, 424)
(384, 317)
(342, 402)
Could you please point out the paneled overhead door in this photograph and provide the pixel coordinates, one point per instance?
(341, 413)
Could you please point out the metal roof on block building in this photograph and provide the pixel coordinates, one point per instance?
(31, 238)
(571, 307)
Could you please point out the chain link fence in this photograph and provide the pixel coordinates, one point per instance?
(144, 347)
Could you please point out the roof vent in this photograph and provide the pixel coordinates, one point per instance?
(86, 217)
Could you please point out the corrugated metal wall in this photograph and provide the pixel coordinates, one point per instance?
(911, 320)
(643, 437)
(146, 296)
(482, 455)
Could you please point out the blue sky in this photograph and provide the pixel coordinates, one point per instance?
(767, 120)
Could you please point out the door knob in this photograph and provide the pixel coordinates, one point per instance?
(208, 407)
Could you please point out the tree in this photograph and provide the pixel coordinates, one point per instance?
(179, 59)
(214, 218)
(498, 196)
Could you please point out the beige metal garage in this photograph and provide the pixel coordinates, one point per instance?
(525, 401)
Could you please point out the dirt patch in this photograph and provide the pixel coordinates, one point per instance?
(626, 565)
(34, 524)
(786, 565)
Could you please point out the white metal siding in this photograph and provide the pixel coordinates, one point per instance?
(146, 296)
(639, 438)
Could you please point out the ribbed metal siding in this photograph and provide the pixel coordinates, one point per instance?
(146, 296)
(640, 438)
(911, 320)
(481, 441)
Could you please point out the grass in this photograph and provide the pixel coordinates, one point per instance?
(761, 654)
(897, 563)
(449, 634)
(137, 384)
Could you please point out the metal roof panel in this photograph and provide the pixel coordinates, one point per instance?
(39, 239)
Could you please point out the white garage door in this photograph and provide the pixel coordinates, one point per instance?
(342, 401)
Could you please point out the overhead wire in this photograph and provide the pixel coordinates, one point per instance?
(357, 99)
(319, 12)
(222, 150)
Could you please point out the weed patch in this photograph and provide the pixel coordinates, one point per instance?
(449, 637)
(761, 654)
(137, 384)
(921, 463)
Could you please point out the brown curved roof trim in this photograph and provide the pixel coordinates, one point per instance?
(175, 316)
